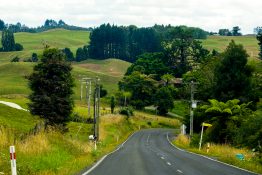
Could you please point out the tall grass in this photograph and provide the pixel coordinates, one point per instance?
(223, 152)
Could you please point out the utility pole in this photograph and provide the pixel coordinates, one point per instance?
(192, 106)
(96, 109)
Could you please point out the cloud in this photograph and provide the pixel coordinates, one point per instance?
(206, 14)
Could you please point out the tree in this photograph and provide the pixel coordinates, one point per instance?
(18, 47)
(259, 38)
(233, 75)
(163, 100)
(182, 52)
(103, 92)
(8, 41)
(69, 55)
(52, 87)
(80, 54)
(235, 31)
(2, 25)
(226, 118)
(34, 57)
(224, 32)
(141, 87)
(112, 104)
(15, 59)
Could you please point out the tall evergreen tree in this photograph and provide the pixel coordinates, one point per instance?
(69, 55)
(52, 87)
(233, 75)
(2, 25)
(259, 38)
(8, 41)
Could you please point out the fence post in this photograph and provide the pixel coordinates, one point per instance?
(13, 160)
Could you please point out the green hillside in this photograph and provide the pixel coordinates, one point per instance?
(221, 42)
(13, 75)
(35, 42)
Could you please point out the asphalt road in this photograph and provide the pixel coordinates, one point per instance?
(148, 152)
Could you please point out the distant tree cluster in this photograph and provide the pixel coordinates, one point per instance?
(226, 32)
(8, 42)
(259, 38)
(48, 24)
(126, 43)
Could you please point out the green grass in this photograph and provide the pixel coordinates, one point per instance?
(224, 153)
(35, 42)
(19, 121)
(13, 81)
(220, 43)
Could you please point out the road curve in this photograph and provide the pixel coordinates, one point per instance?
(148, 152)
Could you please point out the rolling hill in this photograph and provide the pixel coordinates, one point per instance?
(35, 42)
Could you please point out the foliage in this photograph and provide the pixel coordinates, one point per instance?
(226, 118)
(150, 64)
(224, 32)
(103, 92)
(15, 59)
(141, 87)
(82, 54)
(68, 54)
(8, 42)
(2, 25)
(51, 84)
(34, 57)
(235, 31)
(183, 52)
(205, 78)
(163, 100)
(259, 38)
(127, 110)
(112, 104)
(18, 47)
(233, 75)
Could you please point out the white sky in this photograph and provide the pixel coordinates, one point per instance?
(207, 14)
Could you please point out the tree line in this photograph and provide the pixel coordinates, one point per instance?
(126, 43)
(48, 24)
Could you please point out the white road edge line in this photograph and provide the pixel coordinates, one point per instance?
(207, 157)
(179, 171)
(101, 160)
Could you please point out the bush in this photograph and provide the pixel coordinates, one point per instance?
(128, 111)
(18, 47)
(15, 59)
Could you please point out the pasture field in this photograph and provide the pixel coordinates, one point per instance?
(35, 42)
(220, 43)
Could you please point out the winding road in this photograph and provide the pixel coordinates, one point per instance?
(149, 152)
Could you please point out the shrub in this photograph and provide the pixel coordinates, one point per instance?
(128, 111)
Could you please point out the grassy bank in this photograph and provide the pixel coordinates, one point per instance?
(224, 153)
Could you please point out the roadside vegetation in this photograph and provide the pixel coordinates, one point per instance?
(222, 152)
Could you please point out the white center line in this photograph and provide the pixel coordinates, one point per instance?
(168, 163)
(179, 171)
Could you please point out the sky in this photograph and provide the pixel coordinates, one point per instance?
(207, 14)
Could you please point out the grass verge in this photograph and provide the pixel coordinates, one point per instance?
(224, 153)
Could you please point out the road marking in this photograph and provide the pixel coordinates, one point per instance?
(206, 156)
(179, 171)
(147, 140)
(101, 160)
(168, 163)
